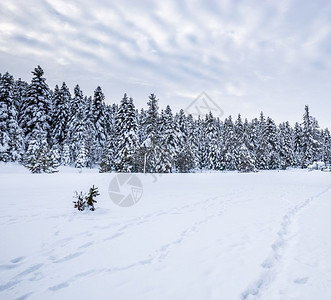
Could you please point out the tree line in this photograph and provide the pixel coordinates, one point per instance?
(43, 129)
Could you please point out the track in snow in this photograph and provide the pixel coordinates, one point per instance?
(272, 263)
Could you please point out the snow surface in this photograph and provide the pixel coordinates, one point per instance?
(263, 235)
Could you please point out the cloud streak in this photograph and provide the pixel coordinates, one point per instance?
(271, 56)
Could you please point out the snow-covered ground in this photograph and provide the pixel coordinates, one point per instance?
(263, 235)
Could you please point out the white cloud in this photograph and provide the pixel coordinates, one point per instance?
(260, 53)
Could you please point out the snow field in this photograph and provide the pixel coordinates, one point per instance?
(228, 235)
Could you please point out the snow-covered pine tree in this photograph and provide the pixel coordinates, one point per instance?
(326, 146)
(286, 145)
(227, 158)
(298, 145)
(184, 156)
(202, 144)
(110, 152)
(93, 192)
(37, 107)
(109, 155)
(76, 102)
(16, 141)
(213, 146)
(19, 95)
(98, 117)
(38, 157)
(84, 201)
(80, 203)
(127, 135)
(239, 131)
(141, 121)
(91, 139)
(252, 138)
(6, 85)
(11, 136)
(243, 159)
(247, 134)
(310, 139)
(82, 158)
(317, 135)
(56, 156)
(169, 135)
(61, 114)
(65, 156)
(261, 154)
(272, 144)
(168, 141)
(150, 147)
(185, 159)
(110, 113)
(78, 129)
(193, 138)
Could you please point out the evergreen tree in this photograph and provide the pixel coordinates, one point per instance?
(193, 139)
(38, 157)
(65, 157)
(163, 163)
(78, 129)
(56, 156)
(243, 159)
(202, 155)
(213, 147)
(61, 114)
(19, 95)
(37, 107)
(92, 145)
(76, 102)
(272, 144)
(228, 161)
(93, 192)
(47, 128)
(86, 201)
(110, 152)
(11, 137)
(247, 134)
(239, 131)
(169, 136)
(252, 136)
(261, 154)
(150, 147)
(127, 132)
(152, 116)
(141, 121)
(326, 146)
(109, 155)
(298, 144)
(286, 145)
(98, 118)
(310, 139)
(185, 159)
(183, 146)
(6, 84)
(81, 159)
(168, 142)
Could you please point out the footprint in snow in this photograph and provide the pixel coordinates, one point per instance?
(86, 245)
(113, 236)
(302, 280)
(68, 257)
(17, 259)
(13, 263)
(29, 270)
(59, 286)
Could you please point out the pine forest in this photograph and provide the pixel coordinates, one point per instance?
(42, 129)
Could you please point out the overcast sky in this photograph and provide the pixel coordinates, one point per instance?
(248, 56)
